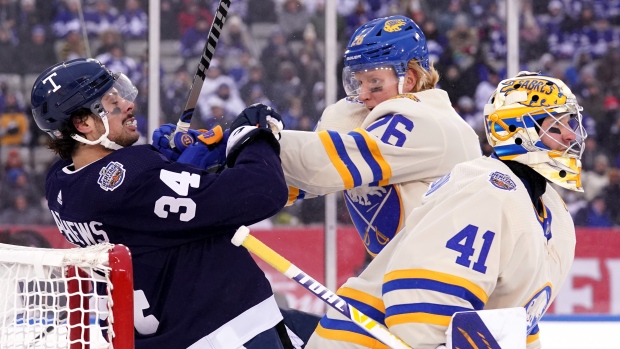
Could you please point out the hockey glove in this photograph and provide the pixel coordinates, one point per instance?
(208, 152)
(161, 140)
(257, 120)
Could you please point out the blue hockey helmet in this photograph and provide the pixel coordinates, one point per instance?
(390, 41)
(72, 85)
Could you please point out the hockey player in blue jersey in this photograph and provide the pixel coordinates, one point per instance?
(192, 287)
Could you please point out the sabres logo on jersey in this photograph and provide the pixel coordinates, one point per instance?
(536, 307)
(535, 88)
(111, 176)
(502, 181)
(394, 25)
(376, 212)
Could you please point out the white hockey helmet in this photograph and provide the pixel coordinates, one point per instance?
(514, 117)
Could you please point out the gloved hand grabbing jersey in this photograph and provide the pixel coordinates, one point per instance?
(257, 120)
(204, 149)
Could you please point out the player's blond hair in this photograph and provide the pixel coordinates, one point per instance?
(427, 79)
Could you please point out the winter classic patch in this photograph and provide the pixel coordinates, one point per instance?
(502, 181)
(111, 176)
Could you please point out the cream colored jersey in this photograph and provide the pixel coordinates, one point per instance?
(477, 242)
(385, 164)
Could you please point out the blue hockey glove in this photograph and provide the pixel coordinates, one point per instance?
(208, 152)
(161, 140)
(257, 120)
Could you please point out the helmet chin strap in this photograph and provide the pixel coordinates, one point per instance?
(401, 83)
(103, 140)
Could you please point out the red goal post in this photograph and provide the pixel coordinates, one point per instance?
(48, 298)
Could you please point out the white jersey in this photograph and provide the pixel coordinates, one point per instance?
(385, 160)
(476, 243)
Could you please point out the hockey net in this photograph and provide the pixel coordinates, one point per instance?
(48, 298)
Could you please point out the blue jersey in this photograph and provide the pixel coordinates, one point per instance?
(177, 220)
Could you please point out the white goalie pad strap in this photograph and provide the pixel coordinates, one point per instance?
(494, 329)
(236, 332)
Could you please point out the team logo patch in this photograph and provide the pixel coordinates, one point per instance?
(111, 176)
(394, 25)
(186, 140)
(502, 181)
(410, 96)
(536, 307)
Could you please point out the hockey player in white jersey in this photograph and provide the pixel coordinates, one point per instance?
(388, 140)
(491, 234)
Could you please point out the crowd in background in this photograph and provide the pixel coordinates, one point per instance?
(272, 51)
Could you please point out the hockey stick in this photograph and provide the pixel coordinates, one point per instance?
(205, 60)
(380, 332)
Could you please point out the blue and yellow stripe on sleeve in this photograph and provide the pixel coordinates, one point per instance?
(294, 194)
(369, 150)
(422, 279)
(346, 330)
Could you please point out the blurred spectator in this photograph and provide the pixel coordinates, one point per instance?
(484, 89)
(463, 41)
(256, 83)
(236, 39)
(176, 95)
(9, 13)
(29, 17)
(317, 18)
(103, 18)
(67, 20)
(293, 113)
(213, 80)
(612, 195)
(360, 16)
(21, 212)
(436, 42)
(37, 53)
(261, 12)
(532, 39)
(229, 95)
(217, 114)
(287, 86)
(581, 59)
(133, 21)
(595, 215)
(9, 56)
(467, 110)
(446, 18)
(293, 19)
(452, 83)
(608, 69)
(117, 61)
(275, 52)
(595, 180)
(107, 40)
(600, 37)
(170, 19)
(189, 13)
(14, 125)
(608, 126)
(73, 47)
(239, 69)
(194, 38)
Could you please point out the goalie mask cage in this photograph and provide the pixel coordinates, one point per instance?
(48, 297)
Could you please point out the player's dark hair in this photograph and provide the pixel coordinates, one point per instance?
(65, 146)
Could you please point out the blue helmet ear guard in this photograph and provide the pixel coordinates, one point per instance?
(65, 88)
(394, 39)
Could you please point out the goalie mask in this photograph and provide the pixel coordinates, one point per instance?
(535, 120)
(384, 43)
(78, 84)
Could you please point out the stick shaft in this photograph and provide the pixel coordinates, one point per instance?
(205, 60)
(291, 271)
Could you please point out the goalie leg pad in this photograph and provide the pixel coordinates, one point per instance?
(496, 329)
